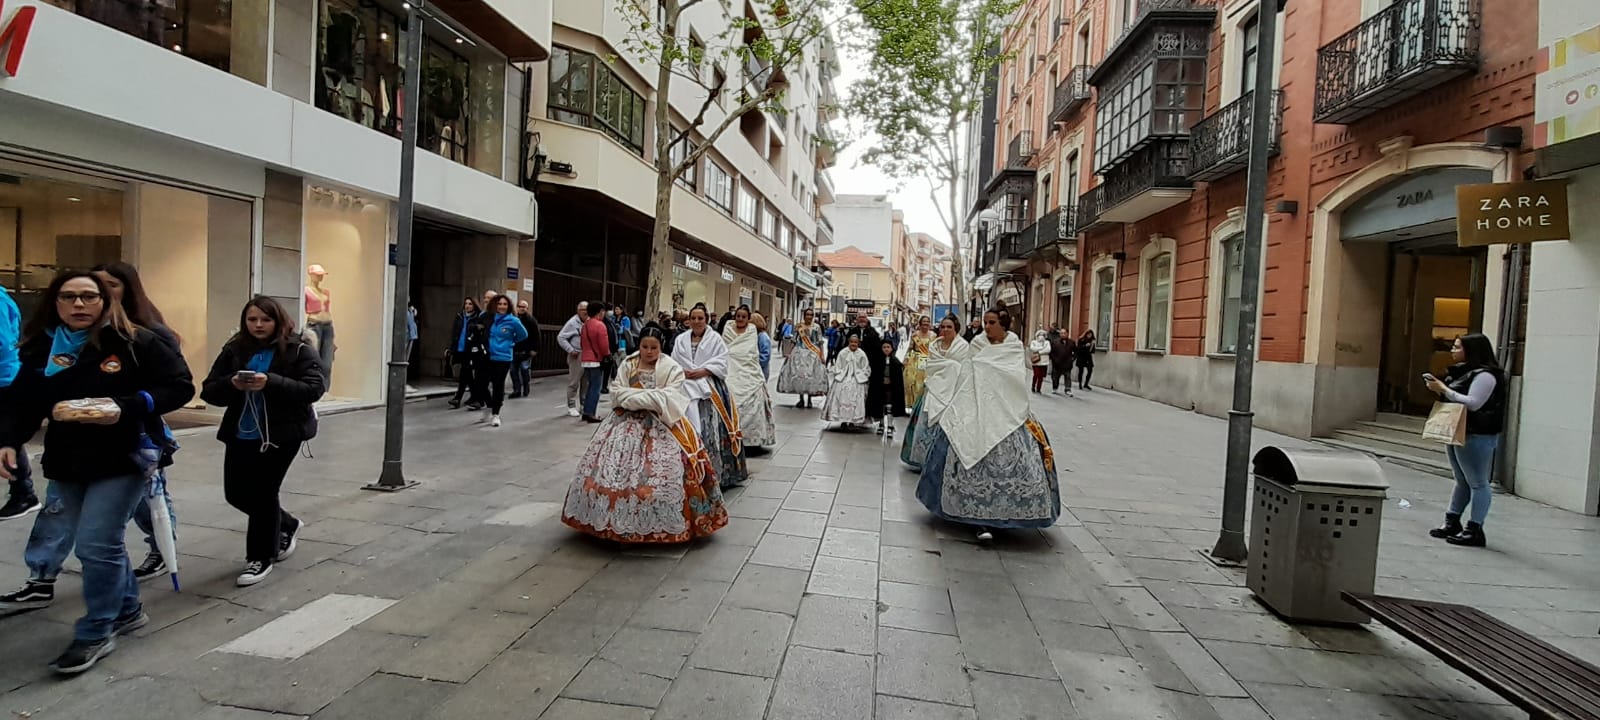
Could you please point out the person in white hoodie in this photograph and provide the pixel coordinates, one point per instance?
(569, 339)
(989, 463)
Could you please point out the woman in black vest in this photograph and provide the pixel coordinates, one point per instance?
(1477, 382)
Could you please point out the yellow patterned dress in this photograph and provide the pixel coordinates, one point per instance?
(916, 372)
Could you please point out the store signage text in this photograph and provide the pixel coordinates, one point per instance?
(14, 37)
(1413, 198)
(727, 275)
(1520, 212)
(693, 263)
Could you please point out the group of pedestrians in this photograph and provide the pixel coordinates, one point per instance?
(99, 363)
(1054, 353)
(490, 342)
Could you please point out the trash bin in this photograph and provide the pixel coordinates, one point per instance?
(1314, 531)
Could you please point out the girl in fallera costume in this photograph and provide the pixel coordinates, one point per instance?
(847, 395)
(917, 358)
(946, 355)
(805, 371)
(989, 463)
(704, 358)
(646, 477)
(747, 383)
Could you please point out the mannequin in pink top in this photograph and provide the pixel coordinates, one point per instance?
(319, 318)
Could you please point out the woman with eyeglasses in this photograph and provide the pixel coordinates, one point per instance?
(104, 382)
(990, 464)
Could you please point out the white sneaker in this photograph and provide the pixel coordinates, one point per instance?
(985, 536)
(254, 571)
(572, 412)
(494, 421)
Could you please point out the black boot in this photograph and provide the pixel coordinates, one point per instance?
(1451, 527)
(1470, 536)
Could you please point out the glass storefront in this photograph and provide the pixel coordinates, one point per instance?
(346, 269)
(224, 34)
(192, 250)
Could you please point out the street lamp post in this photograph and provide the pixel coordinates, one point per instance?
(392, 478)
(1230, 545)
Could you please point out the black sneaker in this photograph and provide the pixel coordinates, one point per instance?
(152, 567)
(288, 541)
(254, 571)
(454, 403)
(129, 623)
(19, 505)
(34, 595)
(82, 655)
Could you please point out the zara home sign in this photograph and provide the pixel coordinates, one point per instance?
(1518, 212)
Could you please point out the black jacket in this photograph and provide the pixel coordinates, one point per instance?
(530, 345)
(1491, 418)
(1062, 350)
(1085, 353)
(477, 335)
(120, 369)
(889, 395)
(294, 382)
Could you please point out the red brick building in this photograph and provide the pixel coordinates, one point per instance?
(1383, 108)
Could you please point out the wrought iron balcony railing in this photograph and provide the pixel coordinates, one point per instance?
(1149, 7)
(1072, 92)
(1058, 225)
(1220, 144)
(1021, 150)
(1161, 164)
(1404, 49)
(1091, 205)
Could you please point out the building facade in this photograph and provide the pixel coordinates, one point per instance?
(746, 220)
(1117, 193)
(227, 149)
(862, 283)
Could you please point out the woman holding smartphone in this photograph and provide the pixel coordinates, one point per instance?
(268, 378)
(1477, 382)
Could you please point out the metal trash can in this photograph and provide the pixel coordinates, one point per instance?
(1314, 531)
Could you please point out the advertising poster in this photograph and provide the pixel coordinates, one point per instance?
(1567, 100)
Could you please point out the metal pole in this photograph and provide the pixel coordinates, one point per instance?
(393, 478)
(1230, 542)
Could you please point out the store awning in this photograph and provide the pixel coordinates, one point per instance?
(984, 282)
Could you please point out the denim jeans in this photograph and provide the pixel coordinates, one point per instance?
(521, 375)
(594, 379)
(1473, 463)
(325, 348)
(98, 512)
(53, 537)
(23, 472)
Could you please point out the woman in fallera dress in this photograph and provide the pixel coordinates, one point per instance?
(946, 355)
(805, 371)
(847, 395)
(704, 358)
(989, 463)
(645, 477)
(747, 382)
(917, 358)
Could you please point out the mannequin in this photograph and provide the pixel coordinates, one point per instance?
(319, 318)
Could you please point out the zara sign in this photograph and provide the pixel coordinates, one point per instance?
(1518, 212)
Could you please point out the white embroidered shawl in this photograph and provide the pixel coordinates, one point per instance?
(852, 366)
(667, 400)
(943, 369)
(744, 363)
(712, 355)
(991, 398)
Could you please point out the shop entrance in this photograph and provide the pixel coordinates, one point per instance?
(1435, 294)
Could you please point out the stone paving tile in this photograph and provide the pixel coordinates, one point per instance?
(795, 522)
(923, 666)
(807, 501)
(519, 683)
(475, 638)
(768, 489)
(746, 642)
(855, 518)
(911, 565)
(390, 697)
(836, 623)
(1251, 663)
(651, 651)
(919, 535)
(823, 685)
(1241, 627)
(846, 578)
(754, 508)
(608, 682)
(680, 604)
(1072, 636)
(1197, 664)
(894, 708)
(1008, 696)
(788, 551)
(747, 533)
(299, 687)
(709, 695)
(1003, 645)
(1135, 608)
(714, 561)
(539, 590)
(769, 588)
(567, 709)
(850, 544)
(225, 712)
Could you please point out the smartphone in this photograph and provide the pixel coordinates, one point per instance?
(1428, 377)
(244, 375)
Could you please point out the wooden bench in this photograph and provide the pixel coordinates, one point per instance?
(1534, 675)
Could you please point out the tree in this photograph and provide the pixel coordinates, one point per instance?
(929, 66)
(741, 69)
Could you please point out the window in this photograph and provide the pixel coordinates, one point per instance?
(719, 84)
(1130, 10)
(769, 223)
(863, 289)
(1164, 97)
(1158, 302)
(697, 56)
(1104, 305)
(1247, 59)
(1081, 52)
(785, 238)
(583, 91)
(1072, 189)
(749, 206)
(690, 178)
(719, 186)
(1232, 293)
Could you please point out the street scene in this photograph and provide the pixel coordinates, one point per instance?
(800, 359)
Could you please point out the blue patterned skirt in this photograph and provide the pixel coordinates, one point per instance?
(1014, 486)
(728, 465)
(914, 447)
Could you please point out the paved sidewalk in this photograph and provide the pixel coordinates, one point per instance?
(829, 595)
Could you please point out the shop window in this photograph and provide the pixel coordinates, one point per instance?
(719, 187)
(748, 206)
(360, 73)
(197, 29)
(690, 177)
(1232, 294)
(584, 91)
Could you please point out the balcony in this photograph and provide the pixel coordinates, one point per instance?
(1154, 178)
(1071, 93)
(1220, 144)
(824, 231)
(825, 194)
(1021, 150)
(1091, 208)
(1403, 50)
(1152, 9)
(1057, 226)
(827, 145)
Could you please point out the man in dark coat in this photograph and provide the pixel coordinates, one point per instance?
(869, 340)
(1062, 350)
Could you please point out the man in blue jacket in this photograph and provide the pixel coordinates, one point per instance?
(22, 499)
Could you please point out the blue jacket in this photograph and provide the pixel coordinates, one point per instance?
(10, 332)
(504, 334)
(764, 346)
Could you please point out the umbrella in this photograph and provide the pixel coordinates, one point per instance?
(161, 524)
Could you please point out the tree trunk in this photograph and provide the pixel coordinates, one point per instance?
(957, 268)
(660, 270)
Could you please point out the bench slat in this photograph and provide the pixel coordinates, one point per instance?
(1533, 674)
